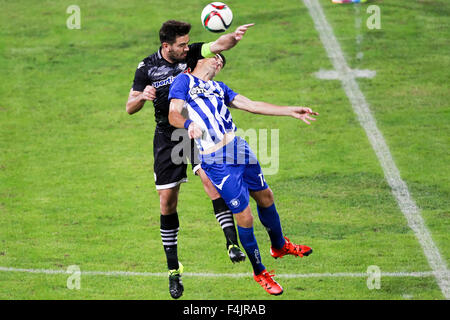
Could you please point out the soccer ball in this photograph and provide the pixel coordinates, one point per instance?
(217, 17)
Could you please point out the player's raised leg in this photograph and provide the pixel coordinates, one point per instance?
(228, 179)
(269, 217)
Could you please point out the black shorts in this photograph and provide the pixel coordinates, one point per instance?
(172, 151)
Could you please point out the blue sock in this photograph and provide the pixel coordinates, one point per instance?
(271, 220)
(250, 245)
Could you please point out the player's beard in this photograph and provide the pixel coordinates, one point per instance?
(177, 57)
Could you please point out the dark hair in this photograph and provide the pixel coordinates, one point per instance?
(172, 29)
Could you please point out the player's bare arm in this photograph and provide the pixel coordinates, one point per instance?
(229, 40)
(136, 99)
(259, 107)
(177, 120)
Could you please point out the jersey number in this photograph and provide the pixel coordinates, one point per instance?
(262, 179)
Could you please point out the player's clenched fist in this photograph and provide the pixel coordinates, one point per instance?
(194, 131)
(149, 93)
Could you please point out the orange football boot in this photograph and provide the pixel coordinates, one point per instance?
(268, 284)
(297, 250)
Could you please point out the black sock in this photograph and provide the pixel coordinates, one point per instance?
(169, 234)
(226, 220)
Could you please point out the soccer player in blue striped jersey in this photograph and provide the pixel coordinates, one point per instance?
(228, 160)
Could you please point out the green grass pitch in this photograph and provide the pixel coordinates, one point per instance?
(76, 177)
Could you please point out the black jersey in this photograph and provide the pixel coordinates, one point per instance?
(159, 73)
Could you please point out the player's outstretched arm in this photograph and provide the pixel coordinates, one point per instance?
(177, 120)
(259, 107)
(229, 40)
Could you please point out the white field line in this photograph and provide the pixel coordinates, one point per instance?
(334, 75)
(220, 275)
(367, 121)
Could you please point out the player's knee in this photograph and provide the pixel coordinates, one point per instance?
(268, 197)
(247, 221)
(167, 202)
(167, 207)
(264, 198)
(244, 219)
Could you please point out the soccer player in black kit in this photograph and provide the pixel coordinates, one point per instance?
(152, 81)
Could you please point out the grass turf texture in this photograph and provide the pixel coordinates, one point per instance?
(76, 170)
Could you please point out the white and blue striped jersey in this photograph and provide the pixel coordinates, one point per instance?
(206, 103)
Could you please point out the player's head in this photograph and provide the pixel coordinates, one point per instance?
(174, 37)
(212, 65)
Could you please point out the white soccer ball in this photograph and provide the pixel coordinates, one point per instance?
(217, 17)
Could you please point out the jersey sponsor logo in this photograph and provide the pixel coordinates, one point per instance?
(164, 82)
(197, 90)
(207, 90)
